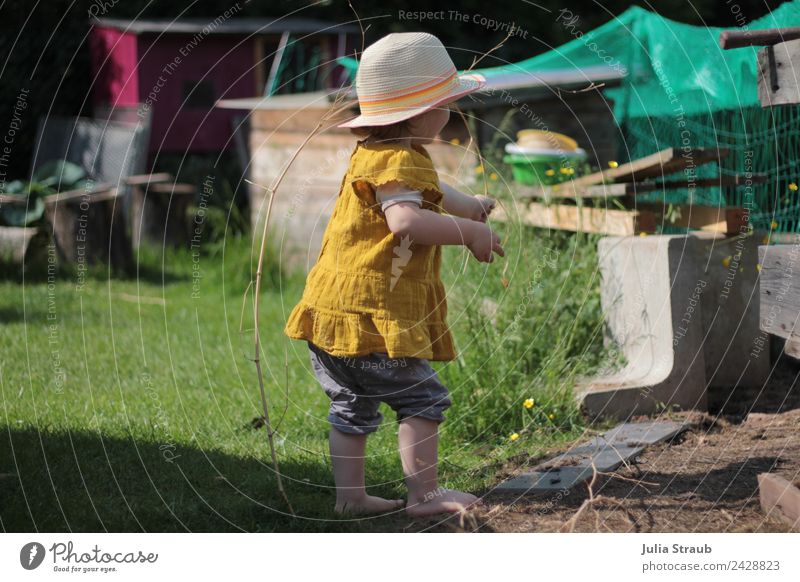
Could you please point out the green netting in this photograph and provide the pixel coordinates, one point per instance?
(680, 89)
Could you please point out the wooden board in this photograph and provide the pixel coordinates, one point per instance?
(779, 282)
(606, 221)
(779, 497)
(656, 165)
(730, 39)
(569, 191)
(145, 179)
(726, 220)
(777, 80)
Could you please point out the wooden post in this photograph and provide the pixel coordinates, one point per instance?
(159, 214)
(89, 227)
(777, 74)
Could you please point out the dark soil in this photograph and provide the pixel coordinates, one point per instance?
(703, 481)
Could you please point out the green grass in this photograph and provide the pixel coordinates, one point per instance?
(126, 415)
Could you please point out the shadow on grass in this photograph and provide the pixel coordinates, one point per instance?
(86, 482)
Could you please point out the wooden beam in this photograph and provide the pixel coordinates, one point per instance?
(568, 190)
(173, 188)
(659, 164)
(606, 221)
(259, 64)
(779, 497)
(724, 219)
(145, 179)
(777, 74)
(780, 289)
(730, 39)
(99, 193)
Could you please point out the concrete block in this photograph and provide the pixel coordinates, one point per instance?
(684, 311)
(543, 482)
(650, 293)
(731, 310)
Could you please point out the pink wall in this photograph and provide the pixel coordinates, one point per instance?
(179, 127)
(113, 55)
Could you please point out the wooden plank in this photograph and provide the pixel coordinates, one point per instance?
(724, 219)
(606, 221)
(661, 163)
(13, 199)
(777, 79)
(144, 179)
(173, 188)
(98, 193)
(780, 290)
(779, 497)
(568, 190)
(792, 348)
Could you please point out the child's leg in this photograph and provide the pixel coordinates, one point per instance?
(352, 415)
(418, 441)
(347, 456)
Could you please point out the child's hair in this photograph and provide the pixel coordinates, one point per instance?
(383, 132)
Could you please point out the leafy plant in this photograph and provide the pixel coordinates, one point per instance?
(52, 177)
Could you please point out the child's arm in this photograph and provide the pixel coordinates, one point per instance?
(431, 228)
(457, 203)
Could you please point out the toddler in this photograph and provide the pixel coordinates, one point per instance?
(374, 308)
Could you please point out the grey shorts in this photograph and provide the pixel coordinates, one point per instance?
(357, 386)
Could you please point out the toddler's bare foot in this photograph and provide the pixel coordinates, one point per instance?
(442, 501)
(367, 504)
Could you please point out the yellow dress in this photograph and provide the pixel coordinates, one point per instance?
(370, 290)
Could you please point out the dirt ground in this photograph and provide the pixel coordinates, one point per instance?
(705, 480)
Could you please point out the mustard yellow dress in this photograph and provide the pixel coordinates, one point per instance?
(370, 290)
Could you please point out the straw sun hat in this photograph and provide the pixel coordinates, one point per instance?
(405, 74)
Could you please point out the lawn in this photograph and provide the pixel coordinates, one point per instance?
(127, 401)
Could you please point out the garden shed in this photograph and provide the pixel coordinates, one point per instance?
(175, 70)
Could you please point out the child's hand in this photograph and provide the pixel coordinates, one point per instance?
(483, 207)
(484, 242)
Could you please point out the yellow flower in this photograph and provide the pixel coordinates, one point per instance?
(612, 164)
(551, 416)
(493, 176)
(758, 267)
(643, 233)
(514, 437)
(479, 169)
(726, 261)
(564, 170)
(570, 171)
(550, 172)
(793, 187)
(455, 141)
(528, 403)
(774, 225)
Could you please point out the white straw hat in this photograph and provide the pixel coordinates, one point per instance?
(405, 74)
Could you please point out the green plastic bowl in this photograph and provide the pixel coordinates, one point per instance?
(531, 169)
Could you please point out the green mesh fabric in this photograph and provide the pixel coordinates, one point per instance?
(680, 89)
